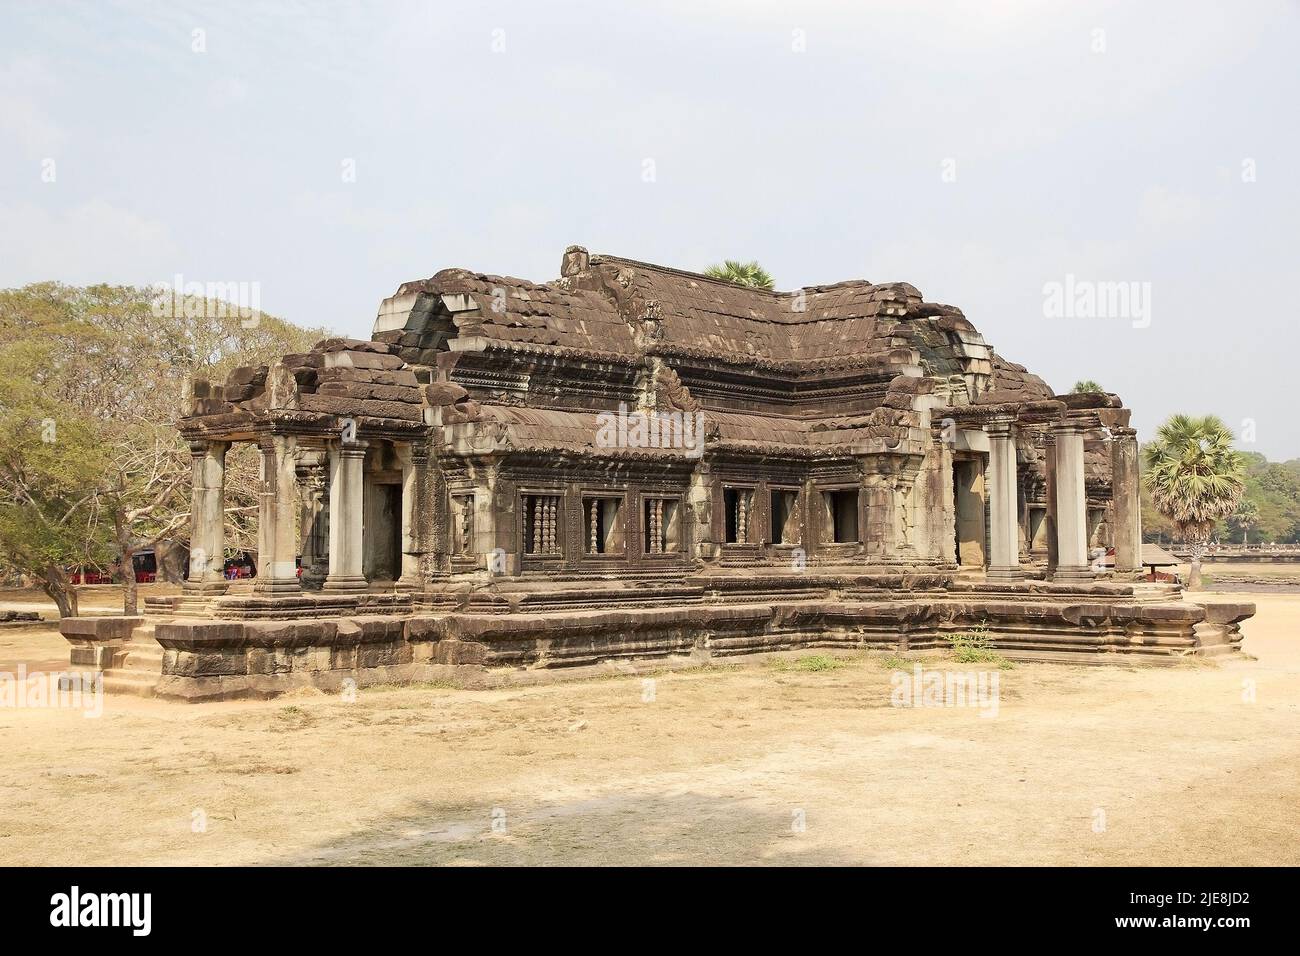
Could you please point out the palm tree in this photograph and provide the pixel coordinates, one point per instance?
(1086, 386)
(1195, 478)
(742, 273)
(1244, 518)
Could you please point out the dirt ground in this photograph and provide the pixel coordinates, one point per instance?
(767, 763)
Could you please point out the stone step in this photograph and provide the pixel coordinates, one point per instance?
(141, 654)
(142, 661)
(139, 683)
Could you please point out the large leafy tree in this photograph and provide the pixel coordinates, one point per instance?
(1244, 518)
(1195, 477)
(50, 465)
(107, 365)
(742, 273)
(1086, 386)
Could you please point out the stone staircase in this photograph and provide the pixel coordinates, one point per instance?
(137, 666)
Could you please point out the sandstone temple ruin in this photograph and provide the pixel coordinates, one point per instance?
(634, 462)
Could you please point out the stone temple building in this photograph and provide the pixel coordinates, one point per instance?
(635, 462)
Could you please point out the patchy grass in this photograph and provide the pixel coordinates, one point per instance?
(974, 647)
(812, 662)
(386, 688)
(819, 662)
(895, 663)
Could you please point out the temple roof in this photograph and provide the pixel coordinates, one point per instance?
(609, 328)
(614, 306)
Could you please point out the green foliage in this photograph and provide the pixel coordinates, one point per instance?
(742, 273)
(1193, 474)
(818, 662)
(975, 647)
(91, 466)
(1086, 386)
(1244, 518)
(812, 662)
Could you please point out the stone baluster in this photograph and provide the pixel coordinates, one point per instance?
(534, 518)
(552, 544)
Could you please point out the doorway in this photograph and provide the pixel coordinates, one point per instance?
(968, 507)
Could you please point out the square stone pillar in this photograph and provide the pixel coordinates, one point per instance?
(699, 499)
(876, 524)
(1049, 483)
(414, 459)
(313, 480)
(1004, 519)
(944, 504)
(347, 459)
(1071, 506)
(1126, 499)
(207, 518)
(886, 525)
(277, 514)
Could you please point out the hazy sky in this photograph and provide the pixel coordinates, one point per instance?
(980, 151)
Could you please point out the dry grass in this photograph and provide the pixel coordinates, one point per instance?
(712, 770)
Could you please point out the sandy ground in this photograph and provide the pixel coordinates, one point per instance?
(760, 764)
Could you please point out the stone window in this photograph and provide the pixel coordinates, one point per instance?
(462, 532)
(841, 515)
(660, 529)
(604, 525)
(785, 523)
(542, 524)
(739, 506)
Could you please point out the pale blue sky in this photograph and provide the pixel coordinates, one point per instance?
(826, 163)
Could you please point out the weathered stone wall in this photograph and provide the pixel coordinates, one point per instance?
(1033, 621)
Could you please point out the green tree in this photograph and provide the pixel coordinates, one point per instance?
(50, 462)
(1195, 478)
(108, 364)
(749, 274)
(1086, 386)
(1244, 518)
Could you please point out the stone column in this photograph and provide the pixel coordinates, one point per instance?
(207, 518)
(277, 539)
(346, 509)
(1004, 530)
(889, 482)
(414, 459)
(312, 482)
(1049, 490)
(1126, 499)
(699, 498)
(1071, 506)
(876, 513)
